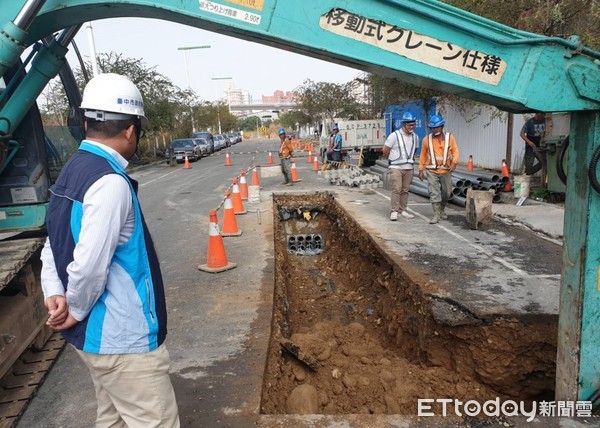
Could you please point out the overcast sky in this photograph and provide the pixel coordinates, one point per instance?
(253, 67)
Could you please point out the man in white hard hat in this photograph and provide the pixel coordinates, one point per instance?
(101, 278)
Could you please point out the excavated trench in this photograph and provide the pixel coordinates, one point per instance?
(352, 333)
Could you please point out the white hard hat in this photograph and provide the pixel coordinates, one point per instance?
(110, 96)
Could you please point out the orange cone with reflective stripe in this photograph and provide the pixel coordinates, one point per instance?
(309, 158)
(470, 163)
(186, 163)
(216, 259)
(506, 173)
(270, 158)
(227, 159)
(315, 164)
(230, 226)
(255, 180)
(295, 178)
(243, 186)
(238, 205)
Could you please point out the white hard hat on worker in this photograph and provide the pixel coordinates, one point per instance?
(110, 96)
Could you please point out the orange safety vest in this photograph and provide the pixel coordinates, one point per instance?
(445, 154)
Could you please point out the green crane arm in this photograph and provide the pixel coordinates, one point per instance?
(462, 53)
(424, 42)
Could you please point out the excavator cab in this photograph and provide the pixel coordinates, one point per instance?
(31, 157)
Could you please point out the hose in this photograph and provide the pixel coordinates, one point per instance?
(560, 170)
(592, 171)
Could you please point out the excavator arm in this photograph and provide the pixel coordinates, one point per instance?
(426, 43)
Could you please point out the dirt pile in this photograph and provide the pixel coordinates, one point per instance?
(372, 332)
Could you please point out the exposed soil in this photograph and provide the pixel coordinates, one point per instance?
(369, 330)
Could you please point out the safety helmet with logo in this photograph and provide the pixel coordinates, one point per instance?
(408, 117)
(111, 96)
(335, 127)
(281, 131)
(436, 121)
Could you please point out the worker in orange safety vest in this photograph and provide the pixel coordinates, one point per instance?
(439, 157)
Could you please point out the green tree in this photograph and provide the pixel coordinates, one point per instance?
(55, 108)
(249, 124)
(561, 18)
(166, 105)
(289, 119)
(319, 100)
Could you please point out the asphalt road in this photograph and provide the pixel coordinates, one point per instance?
(219, 324)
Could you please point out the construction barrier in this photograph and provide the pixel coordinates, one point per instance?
(255, 179)
(243, 186)
(295, 178)
(230, 226)
(216, 258)
(506, 173)
(238, 205)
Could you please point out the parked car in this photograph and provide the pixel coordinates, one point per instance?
(233, 138)
(203, 145)
(210, 139)
(180, 148)
(222, 141)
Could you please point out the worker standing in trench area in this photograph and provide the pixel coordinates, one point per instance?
(400, 148)
(439, 158)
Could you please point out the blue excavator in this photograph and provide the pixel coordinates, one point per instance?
(423, 42)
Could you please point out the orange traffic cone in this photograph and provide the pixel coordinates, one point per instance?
(295, 178)
(243, 186)
(506, 173)
(315, 164)
(216, 259)
(309, 158)
(186, 164)
(238, 205)
(255, 180)
(270, 158)
(470, 163)
(227, 159)
(230, 227)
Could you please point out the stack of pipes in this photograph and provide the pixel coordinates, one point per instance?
(462, 180)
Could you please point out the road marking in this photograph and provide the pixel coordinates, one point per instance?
(462, 238)
(158, 178)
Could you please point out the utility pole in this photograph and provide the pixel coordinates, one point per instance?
(187, 75)
(217, 99)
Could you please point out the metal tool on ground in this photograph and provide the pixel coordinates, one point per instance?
(297, 352)
(230, 226)
(238, 205)
(186, 163)
(216, 258)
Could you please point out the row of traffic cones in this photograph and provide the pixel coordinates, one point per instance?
(233, 205)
